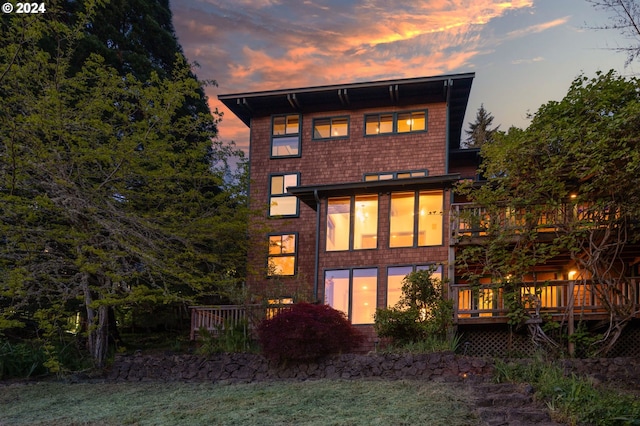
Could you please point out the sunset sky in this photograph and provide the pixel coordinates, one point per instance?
(524, 52)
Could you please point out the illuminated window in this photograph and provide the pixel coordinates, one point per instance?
(395, 277)
(352, 223)
(282, 255)
(416, 219)
(378, 124)
(395, 175)
(327, 128)
(352, 291)
(411, 122)
(281, 203)
(402, 122)
(285, 136)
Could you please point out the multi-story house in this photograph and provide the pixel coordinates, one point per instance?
(355, 182)
(355, 185)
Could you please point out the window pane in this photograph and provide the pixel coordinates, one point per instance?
(293, 124)
(282, 265)
(418, 122)
(418, 174)
(395, 277)
(321, 129)
(288, 243)
(336, 290)
(365, 223)
(284, 146)
(404, 175)
(363, 305)
(386, 123)
(283, 206)
(290, 180)
(401, 221)
(277, 185)
(278, 125)
(435, 274)
(404, 123)
(368, 178)
(371, 125)
(430, 219)
(338, 224)
(275, 244)
(340, 127)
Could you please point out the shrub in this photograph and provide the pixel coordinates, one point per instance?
(307, 332)
(421, 313)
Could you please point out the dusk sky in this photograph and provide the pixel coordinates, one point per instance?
(524, 52)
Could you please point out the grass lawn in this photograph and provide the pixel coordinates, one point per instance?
(323, 402)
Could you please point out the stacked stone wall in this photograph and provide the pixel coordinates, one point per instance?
(446, 366)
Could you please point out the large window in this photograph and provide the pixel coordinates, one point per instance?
(285, 136)
(352, 223)
(416, 219)
(352, 291)
(281, 203)
(395, 276)
(327, 128)
(401, 122)
(282, 255)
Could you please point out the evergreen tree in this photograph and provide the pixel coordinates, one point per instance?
(108, 194)
(480, 132)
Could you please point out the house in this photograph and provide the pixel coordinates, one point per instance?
(355, 185)
(355, 181)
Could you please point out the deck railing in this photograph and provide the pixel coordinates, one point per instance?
(485, 303)
(215, 319)
(470, 220)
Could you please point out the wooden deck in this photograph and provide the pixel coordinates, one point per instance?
(485, 304)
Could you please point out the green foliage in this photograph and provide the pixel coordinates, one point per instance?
(114, 192)
(571, 399)
(422, 312)
(228, 338)
(428, 345)
(574, 173)
(21, 360)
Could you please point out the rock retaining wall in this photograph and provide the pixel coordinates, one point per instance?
(244, 368)
(446, 366)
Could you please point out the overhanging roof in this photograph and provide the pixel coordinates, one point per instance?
(399, 92)
(307, 193)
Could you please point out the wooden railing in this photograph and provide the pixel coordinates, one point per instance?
(486, 304)
(215, 319)
(469, 220)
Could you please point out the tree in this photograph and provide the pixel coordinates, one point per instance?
(480, 132)
(112, 193)
(575, 169)
(625, 17)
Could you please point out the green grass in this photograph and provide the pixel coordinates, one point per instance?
(571, 399)
(323, 402)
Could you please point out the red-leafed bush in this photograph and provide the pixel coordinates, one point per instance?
(307, 332)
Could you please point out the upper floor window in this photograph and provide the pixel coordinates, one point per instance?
(285, 136)
(401, 122)
(282, 255)
(328, 128)
(395, 175)
(416, 219)
(352, 223)
(281, 203)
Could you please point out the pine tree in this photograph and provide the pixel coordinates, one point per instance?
(480, 132)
